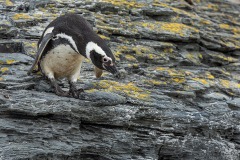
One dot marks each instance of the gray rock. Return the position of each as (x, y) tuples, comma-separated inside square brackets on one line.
[(15, 58), (234, 104), (216, 96), (178, 97), (180, 94), (103, 98)]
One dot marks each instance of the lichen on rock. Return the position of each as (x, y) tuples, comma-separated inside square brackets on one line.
[(177, 96)]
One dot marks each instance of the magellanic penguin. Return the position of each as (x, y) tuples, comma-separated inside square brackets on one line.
[(64, 44)]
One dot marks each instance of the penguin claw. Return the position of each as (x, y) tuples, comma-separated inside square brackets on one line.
[(76, 93), (62, 93)]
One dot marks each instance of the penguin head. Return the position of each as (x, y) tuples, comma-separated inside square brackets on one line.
[(101, 57)]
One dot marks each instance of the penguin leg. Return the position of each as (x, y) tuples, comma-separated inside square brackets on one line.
[(58, 89), (73, 91)]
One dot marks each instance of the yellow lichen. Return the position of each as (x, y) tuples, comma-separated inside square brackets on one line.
[(233, 29), (129, 89), (171, 72), (202, 81), (229, 84), (209, 75), (130, 58), (224, 26), (159, 4), (1, 79), (10, 61), (205, 22), (122, 3), (179, 80), (154, 82), (91, 90), (21, 16), (117, 54), (8, 3), (108, 28), (185, 13), (177, 28), (225, 83), (151, 56), (4, 69), (213, 7), (193, 57), (168, 50), (173, 28), (236, 30), (136, 51), (104, 37), (176, 10), (189, 73), (149, 25)]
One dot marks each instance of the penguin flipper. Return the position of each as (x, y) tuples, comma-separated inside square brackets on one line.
[(98, 72), (41, 48)]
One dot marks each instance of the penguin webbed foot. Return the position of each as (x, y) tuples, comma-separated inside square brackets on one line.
[(58, 89), (74, 92), (62, 93)]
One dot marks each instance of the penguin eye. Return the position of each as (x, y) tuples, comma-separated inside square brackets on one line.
[(105, 59)]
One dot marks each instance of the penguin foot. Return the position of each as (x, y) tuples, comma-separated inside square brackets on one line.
[(62, 93), (58, 89), (74, 92)]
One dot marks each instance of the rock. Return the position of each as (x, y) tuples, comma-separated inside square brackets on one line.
[(7, 29), (176, 95), (215, 95), (122, 74), (14, 58), (180, 94), (11, 47), (234, 104)]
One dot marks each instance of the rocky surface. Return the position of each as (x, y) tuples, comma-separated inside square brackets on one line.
[(179, 98)]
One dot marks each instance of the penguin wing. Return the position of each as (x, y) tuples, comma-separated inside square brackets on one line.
[(41, 48)]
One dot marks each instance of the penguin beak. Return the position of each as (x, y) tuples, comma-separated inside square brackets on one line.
[(112, 69)]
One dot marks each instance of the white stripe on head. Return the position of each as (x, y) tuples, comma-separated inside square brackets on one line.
[(93, 46), (69, 38), (49, 30)]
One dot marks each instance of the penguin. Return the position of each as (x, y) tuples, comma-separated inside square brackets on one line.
[(63, 46)]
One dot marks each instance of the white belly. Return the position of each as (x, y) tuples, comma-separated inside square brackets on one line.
[(62, 62)]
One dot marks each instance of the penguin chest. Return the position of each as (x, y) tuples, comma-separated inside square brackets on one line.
[(62, 61)]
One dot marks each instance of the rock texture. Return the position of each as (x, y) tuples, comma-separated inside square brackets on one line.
[(179, 98)]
